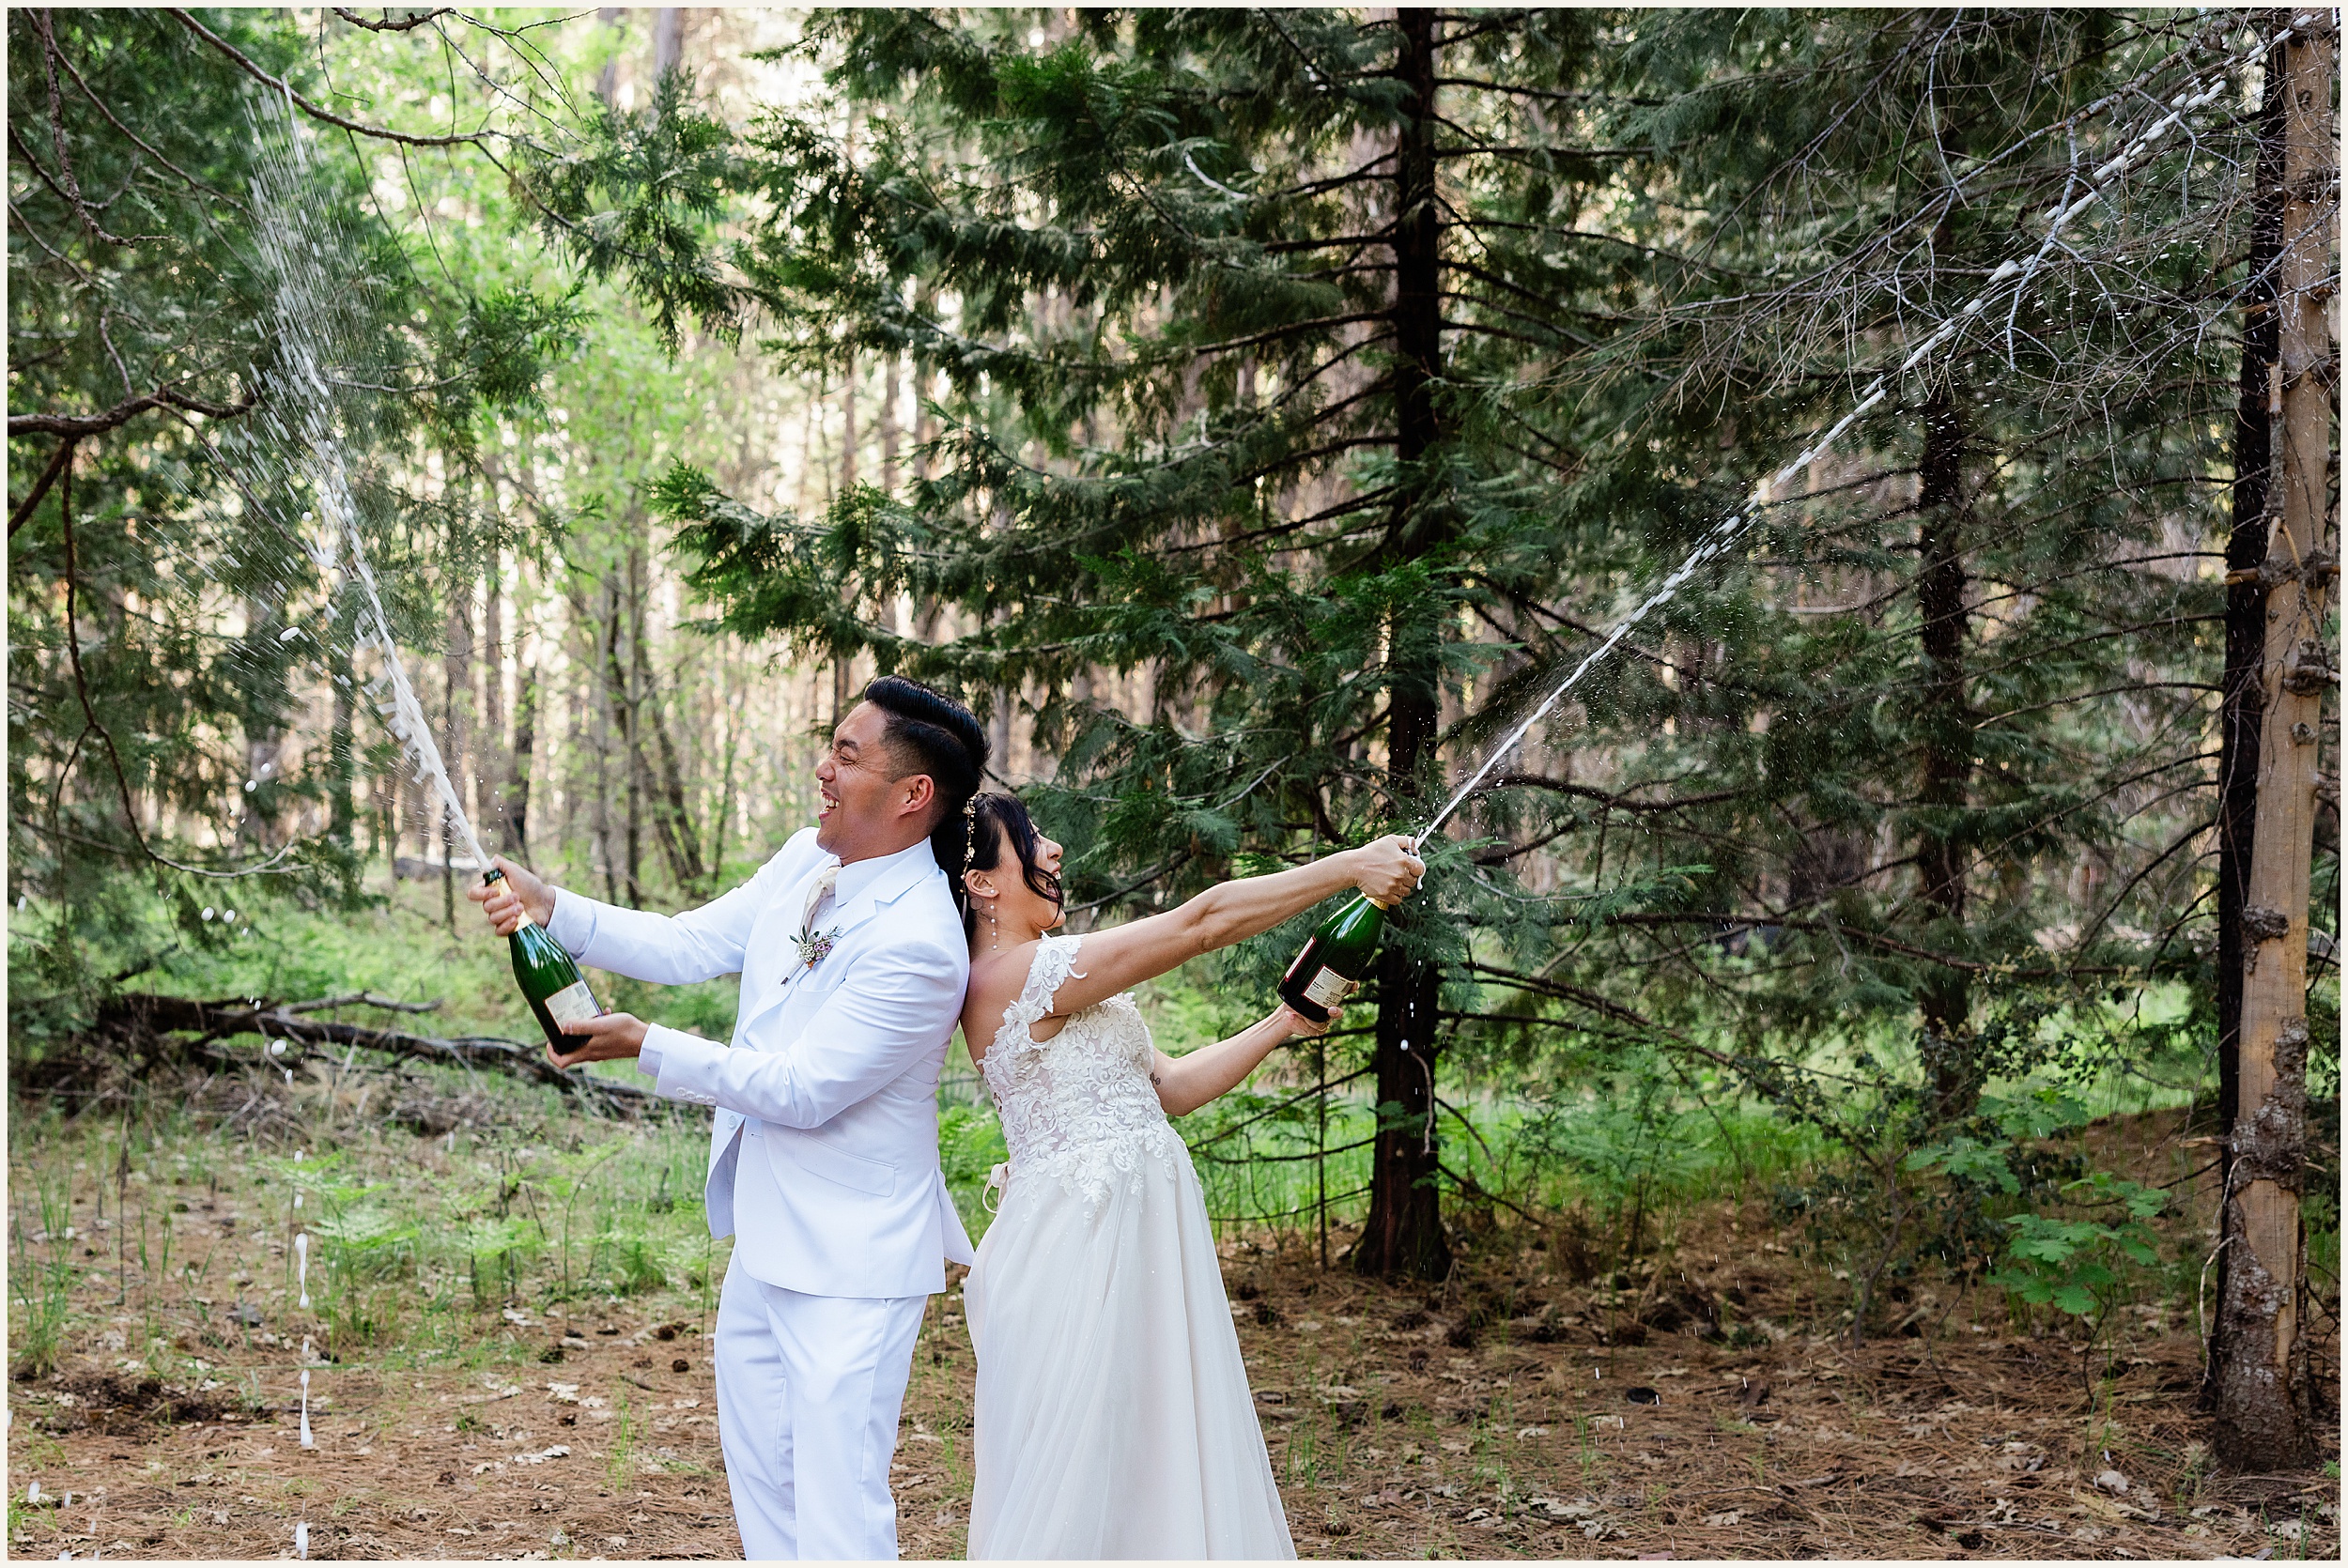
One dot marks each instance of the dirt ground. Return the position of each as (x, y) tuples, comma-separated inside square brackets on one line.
[(1506, 1414)]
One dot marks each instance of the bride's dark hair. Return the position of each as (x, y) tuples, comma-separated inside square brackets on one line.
[(998, 820)]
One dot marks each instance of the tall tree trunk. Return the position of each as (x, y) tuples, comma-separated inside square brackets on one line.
[(924, 422), (607, 717), (668, 39), (515, 823), (342, 766), (2242, 702), (608, 80), (1403, 1233), (722, 821), (679, 842), (396, 825), (2266, 1420), (1946, 999), (890, 385), (623, 714), (264, 738), (847, 432)]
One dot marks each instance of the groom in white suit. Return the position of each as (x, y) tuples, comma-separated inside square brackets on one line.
[(824, 1160)]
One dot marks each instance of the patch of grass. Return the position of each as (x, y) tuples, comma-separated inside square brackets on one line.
[(619, 1465), (44, 1274)]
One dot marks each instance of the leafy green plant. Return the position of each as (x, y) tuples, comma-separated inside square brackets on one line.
[(639, 1263), (1988, 1160), (499, 1242), (2077, 1266), (2002, 1160)]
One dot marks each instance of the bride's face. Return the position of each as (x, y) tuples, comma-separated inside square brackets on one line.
[(1016, 903)]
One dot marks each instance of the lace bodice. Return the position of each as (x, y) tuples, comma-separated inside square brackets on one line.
[(1078, 1107)]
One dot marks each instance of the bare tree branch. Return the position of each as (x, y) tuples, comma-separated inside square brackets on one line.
[(408, 25), (75, 426), (318, 112)]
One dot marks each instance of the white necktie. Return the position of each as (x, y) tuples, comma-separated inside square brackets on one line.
[(810, 944), (818, 893)]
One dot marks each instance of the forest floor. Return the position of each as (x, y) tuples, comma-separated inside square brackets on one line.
[(1675, 1409)]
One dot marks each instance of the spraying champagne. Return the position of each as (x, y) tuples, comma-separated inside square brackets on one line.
[(549, 979)]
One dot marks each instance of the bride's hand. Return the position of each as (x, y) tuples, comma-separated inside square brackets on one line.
[(1387, 869), (1296, 1024)]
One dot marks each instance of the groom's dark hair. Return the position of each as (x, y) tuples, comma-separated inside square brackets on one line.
[(930, 733)]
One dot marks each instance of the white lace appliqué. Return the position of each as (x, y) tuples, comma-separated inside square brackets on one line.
[(1078, 1107)]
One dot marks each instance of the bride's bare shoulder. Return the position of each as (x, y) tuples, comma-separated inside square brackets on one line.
[(996, 978)]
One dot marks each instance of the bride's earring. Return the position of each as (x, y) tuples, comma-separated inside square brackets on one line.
[(995, 928)]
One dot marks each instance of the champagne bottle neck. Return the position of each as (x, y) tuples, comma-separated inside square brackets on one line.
[(1376, 903), (490, 878)]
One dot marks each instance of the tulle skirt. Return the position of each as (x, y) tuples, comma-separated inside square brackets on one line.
[(1114, 1418)]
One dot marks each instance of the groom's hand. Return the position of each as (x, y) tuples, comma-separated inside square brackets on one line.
[(505, 902), (612, 1037)]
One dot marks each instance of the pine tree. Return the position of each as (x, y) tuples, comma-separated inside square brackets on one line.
[(1246, 306)]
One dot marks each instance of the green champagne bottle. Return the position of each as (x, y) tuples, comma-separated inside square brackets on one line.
[(549, 979), (1330, 967)]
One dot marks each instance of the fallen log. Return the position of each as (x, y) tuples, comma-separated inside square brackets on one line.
[(142, 1013)]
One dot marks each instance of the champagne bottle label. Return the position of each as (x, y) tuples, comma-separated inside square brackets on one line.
[(571, 1003), (1329, 988)]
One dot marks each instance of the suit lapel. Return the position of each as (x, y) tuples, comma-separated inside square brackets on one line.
[(886, 888)]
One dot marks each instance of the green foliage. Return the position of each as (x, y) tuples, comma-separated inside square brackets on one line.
[(209, 747), (969, 1146), (1264, 546), (2023, 1119), (635, 198), (2075, 1264), (142, 762), (501, 351)]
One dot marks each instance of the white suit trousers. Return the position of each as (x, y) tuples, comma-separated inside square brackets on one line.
[(809, 1389)]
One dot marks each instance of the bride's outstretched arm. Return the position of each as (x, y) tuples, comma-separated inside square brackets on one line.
[(1186, 1082), (1116, 960)]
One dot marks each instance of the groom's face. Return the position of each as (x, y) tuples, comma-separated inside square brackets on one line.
[(860, 810)]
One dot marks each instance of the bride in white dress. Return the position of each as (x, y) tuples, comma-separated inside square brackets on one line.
[(1114, 1417)]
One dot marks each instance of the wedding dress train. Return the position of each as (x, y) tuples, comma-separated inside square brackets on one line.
[(1114, 1418)]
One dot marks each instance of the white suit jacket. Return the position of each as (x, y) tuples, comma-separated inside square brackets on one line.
[(824, 1161)]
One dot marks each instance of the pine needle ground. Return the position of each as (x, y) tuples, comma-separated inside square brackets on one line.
[(474, 1406)]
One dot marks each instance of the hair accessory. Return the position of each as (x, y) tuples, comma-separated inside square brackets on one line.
[(969, 833)]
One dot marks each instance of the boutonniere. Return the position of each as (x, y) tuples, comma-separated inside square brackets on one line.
[(814, 946)]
